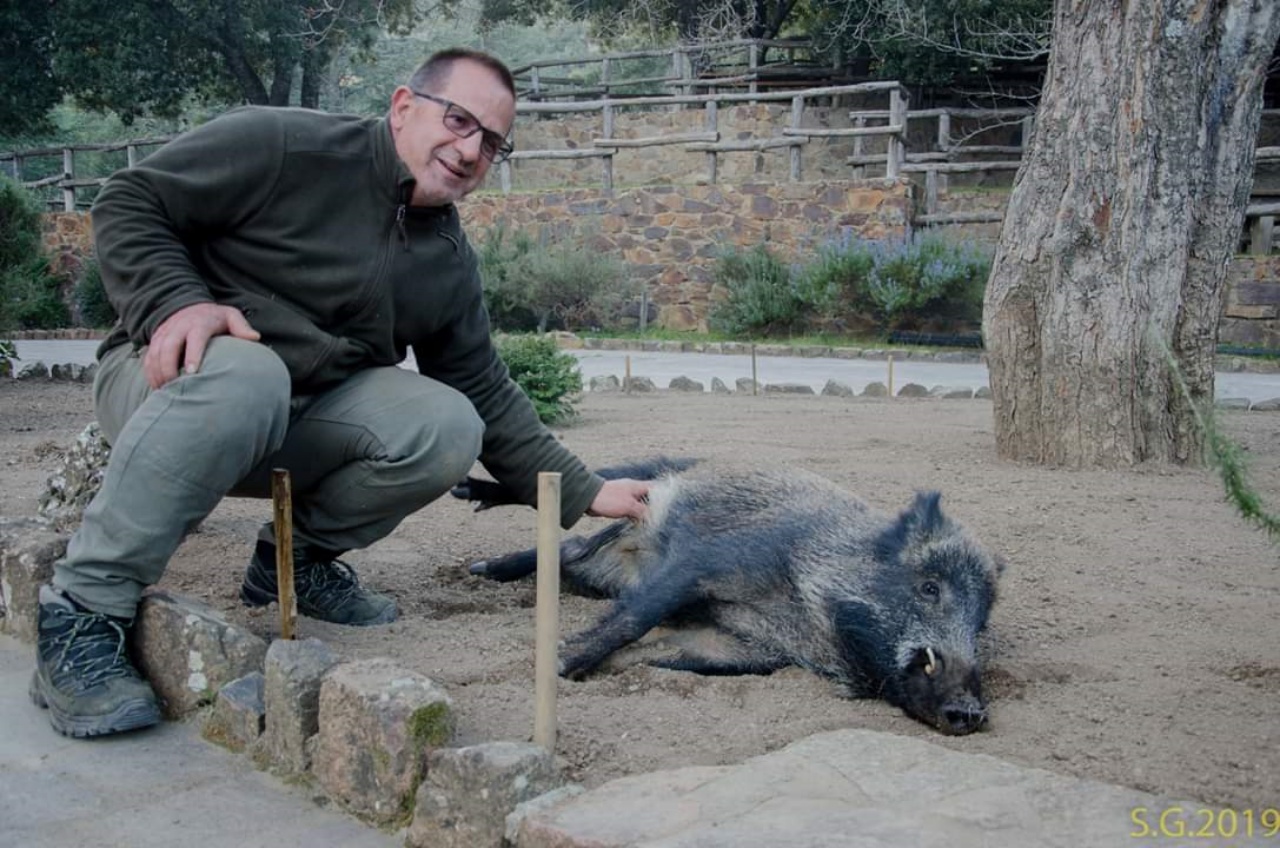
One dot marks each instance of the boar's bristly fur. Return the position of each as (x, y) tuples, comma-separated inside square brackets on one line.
[(766, 569)]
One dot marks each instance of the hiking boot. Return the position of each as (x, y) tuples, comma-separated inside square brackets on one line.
[(83, 675), (326, 587)]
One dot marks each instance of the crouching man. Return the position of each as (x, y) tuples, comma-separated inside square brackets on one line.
[(270, 269)]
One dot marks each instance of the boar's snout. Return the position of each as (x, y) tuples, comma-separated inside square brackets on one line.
[(945, 692), (962, 715)]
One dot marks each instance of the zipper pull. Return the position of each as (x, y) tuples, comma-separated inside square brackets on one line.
[(404, 235)]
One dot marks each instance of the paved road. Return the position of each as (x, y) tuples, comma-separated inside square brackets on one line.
[(815, 371)]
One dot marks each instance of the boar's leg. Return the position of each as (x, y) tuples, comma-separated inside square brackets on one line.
[(713, 651), (638, 610), (573, 551)]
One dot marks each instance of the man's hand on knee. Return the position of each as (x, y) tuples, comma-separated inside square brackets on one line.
[(181, 339)]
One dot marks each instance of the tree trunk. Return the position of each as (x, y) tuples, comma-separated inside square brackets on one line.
[(1122, 221)]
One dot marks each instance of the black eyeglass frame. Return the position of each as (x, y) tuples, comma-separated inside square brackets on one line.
[(502, 146)]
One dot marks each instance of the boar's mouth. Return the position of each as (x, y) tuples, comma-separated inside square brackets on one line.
[(944, 695)]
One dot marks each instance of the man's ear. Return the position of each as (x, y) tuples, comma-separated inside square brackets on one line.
[(401, 102)]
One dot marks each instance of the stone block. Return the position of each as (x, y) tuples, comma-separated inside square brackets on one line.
[(913, 390), (292, 674), (77, 478), (607, 383), (28, 550), (640, 385), (834, 388), (746, 385), (788, 389), (188, 650), (239, 713), (718, 387), (538, 805), (685, 384), (876, 389), (378, 721), (469, 792)]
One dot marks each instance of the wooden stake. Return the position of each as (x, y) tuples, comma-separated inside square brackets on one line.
[(626, 378), (548, 611), (282, 502), (890, 375), (754, 381)]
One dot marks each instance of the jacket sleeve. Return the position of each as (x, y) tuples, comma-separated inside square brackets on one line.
[(517, 446), (205, 181)]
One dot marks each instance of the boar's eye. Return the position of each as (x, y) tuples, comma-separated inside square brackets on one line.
[(930, 590)]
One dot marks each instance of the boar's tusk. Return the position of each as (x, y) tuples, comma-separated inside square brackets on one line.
[(932, 665)]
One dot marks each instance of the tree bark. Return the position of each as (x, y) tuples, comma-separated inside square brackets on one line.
[(1120, 226)]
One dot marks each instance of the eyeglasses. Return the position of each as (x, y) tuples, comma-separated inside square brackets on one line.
[(493, 145)]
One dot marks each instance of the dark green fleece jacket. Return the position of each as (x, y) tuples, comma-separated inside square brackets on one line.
[(300, 219)]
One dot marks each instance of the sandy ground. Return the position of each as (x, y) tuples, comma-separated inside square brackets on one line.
[(1132, 642)]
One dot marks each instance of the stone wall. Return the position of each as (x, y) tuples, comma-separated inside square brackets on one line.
[(670, 237)]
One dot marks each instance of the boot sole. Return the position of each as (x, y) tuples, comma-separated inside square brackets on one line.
[(131, 715), (255, 596)]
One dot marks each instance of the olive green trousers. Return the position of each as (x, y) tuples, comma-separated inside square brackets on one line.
[(362, 455)]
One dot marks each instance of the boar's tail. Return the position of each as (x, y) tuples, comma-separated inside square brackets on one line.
[(485, 494)]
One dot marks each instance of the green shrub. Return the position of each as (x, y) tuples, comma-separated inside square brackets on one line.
[(91, 298), (548, 375), (29, 292), (537, 286), (760, 296), (8, 356), (926, 278), (506, 295)]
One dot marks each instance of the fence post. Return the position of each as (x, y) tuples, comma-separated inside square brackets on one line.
[(68, 173), (753, 65), (504, 175), (1261, 235), (898, 118), (536, 80), (712, 122), (608, 159), (944, 144), (17, 168), (131, 155), (797, 118), (859, 170), (604, 75)]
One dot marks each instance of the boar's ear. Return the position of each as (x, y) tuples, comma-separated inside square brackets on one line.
[(913, 526)]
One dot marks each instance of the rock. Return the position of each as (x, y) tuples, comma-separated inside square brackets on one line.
[(640, 384), (834, 388), (747, 386), (686, 384), (1231, 403), (77, 479), (607, 383), (28, 551), (1268, 405), (788, 389), (469, 792), (983, 392), (291, 695), (378, 721), (913, 390), (875, 390), (719, 388), (188, 650), (239, 713), (33, 371)]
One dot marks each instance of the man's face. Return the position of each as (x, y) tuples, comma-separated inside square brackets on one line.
[(446, 167)]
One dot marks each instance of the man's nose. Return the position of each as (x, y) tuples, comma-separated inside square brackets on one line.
[(471, 146)]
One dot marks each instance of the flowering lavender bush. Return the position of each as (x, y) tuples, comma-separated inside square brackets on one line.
[(898, 282)]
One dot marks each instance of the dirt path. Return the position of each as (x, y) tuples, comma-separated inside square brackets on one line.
[(1132, 642)]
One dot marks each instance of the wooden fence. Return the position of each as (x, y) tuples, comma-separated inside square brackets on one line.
[(889, 128)]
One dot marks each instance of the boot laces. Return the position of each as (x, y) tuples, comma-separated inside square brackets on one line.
[(91, 650)]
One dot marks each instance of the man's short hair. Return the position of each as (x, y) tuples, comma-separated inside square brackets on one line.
[(431, 74)]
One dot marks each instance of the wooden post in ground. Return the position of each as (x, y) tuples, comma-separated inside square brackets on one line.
[(282, 503), (890, 375), (548, 611)]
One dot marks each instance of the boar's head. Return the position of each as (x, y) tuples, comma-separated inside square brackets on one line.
[(911, 635)]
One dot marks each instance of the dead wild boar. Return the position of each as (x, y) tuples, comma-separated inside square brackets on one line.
[(777, 568)]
